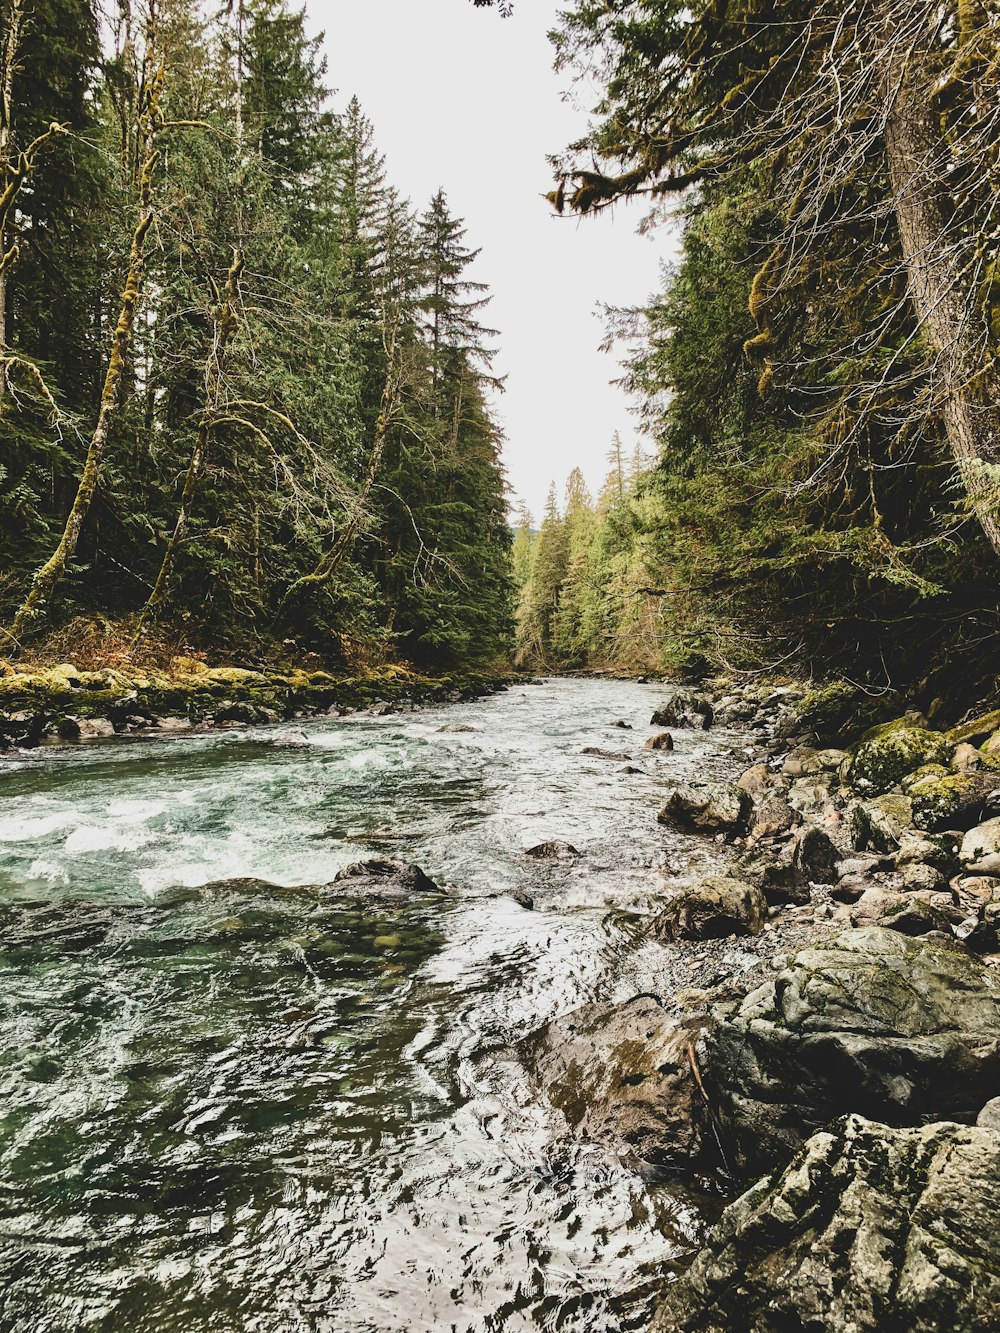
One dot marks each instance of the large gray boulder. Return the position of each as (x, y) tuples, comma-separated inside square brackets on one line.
[(384, 879), (870, 1021), (621, 1076), (720, 807), (683, 708), (869, 1230), (712, 909)]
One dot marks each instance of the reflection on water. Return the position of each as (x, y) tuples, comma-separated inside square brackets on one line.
[(231, 1103)]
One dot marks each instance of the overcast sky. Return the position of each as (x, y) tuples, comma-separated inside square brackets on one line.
[(464, 99)]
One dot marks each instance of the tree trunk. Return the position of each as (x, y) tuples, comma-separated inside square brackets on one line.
[(945, 308), (224, 325), (51, 572)]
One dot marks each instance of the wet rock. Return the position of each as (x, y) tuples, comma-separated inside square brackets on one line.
[(553, 850), (385, 878), (869, 1021), (621, 726), (881, 823), (621, 1075), (294, 740), (870, 1229), (718, 807), (457, 729), (594, 752), (683, 708), (169, 724), (664, 741), (711, 909), (630, 770), (888, 753)]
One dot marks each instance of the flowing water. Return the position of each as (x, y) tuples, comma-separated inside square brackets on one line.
[(230, 1102)]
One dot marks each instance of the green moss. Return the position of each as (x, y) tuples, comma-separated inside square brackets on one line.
[(889, 753)]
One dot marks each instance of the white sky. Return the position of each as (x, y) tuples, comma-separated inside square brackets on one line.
[(464, 99)]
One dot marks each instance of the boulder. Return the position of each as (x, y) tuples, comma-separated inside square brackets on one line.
[(457, 729), (553, 850), (663, 741), (718, 807), (976, 729), (683, 708), (879, 825), (593, 752), (815, 856), (812, 795), (869, 1021), (888, 753), (802, 762), (711, 909), (989, 1116), (758, 779), (870, 1229), (384, 879), (967, 759), (621, 1076), (774, 874), (955, 801), (980, 849), (905, 912), (773, 816)]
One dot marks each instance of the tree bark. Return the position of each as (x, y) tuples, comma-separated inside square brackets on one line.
[(48, 576), (944, 307)]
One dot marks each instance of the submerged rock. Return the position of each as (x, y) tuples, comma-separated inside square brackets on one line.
[(664, 741), (869, 1230), (553, 850), (870, 1021), (718, 807), (594, 752), (713, 908), (385, 878), (621, 1075), (457, 729)]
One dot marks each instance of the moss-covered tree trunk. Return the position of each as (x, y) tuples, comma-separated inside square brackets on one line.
[(48, 576), (939, 289)]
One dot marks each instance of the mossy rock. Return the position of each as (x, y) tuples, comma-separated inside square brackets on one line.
[(925, 773), (887, 754), (836, 712), (976, 729), (956, 801)]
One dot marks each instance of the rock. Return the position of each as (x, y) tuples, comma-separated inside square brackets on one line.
[(802, 762), (881, 823), (811, 796), (290, 739), (621, 726), (758, 780), (989, 1116), (991, 747), (683, 708), (593, 752), (922, 774), (775, 875), (976, 730), (711, 909), (173, 724), (888, 753), (630, 770), (957, 801), (772, 817), (932, 849), (664, 741), (869, 1021), (918, 876), (967, 759), (719, 807), (980, 849), (621, 1075), (904, 912), (393, 879), (554, 850), (815, 856), (78, 729), (870, 1229), (457, 729), (850, 888)]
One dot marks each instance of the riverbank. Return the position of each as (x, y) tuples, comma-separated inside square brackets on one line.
[(61, 704), (827, 1025)]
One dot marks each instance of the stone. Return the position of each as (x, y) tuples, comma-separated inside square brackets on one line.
[(663, 741), (869, 1021), (811, 796), (870, 1229), (713, 908), (773, 816), (921, 775), (980, 849), (774, 874), (967, 759), (621, 1075), (888, 753), (758, 779), (919, 876), (718, 807), (904, 912), (621, 726), (289, 739), (457, 729), (593, 752), (957, 801), (683, 708), (815, 856), (802, 762), (977, 729), (989, 1116), (880, 824), (384, 878), (553, 850)]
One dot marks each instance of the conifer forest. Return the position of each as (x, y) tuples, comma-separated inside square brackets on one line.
[(499, 673)]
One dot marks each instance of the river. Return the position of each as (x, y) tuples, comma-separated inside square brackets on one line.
[(230, 1102)]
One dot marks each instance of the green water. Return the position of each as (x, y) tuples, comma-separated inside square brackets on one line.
[(230, 1102)]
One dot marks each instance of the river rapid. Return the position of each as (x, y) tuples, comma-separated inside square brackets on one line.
[(231, 1102)]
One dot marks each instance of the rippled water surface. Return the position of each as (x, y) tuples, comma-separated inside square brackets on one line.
[(231, 1102)]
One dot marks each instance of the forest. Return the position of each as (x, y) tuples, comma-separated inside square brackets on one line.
[(245, 387), (818, 370)]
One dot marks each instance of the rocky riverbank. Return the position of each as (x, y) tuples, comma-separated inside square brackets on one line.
[(850, 1077), (60, 704)]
